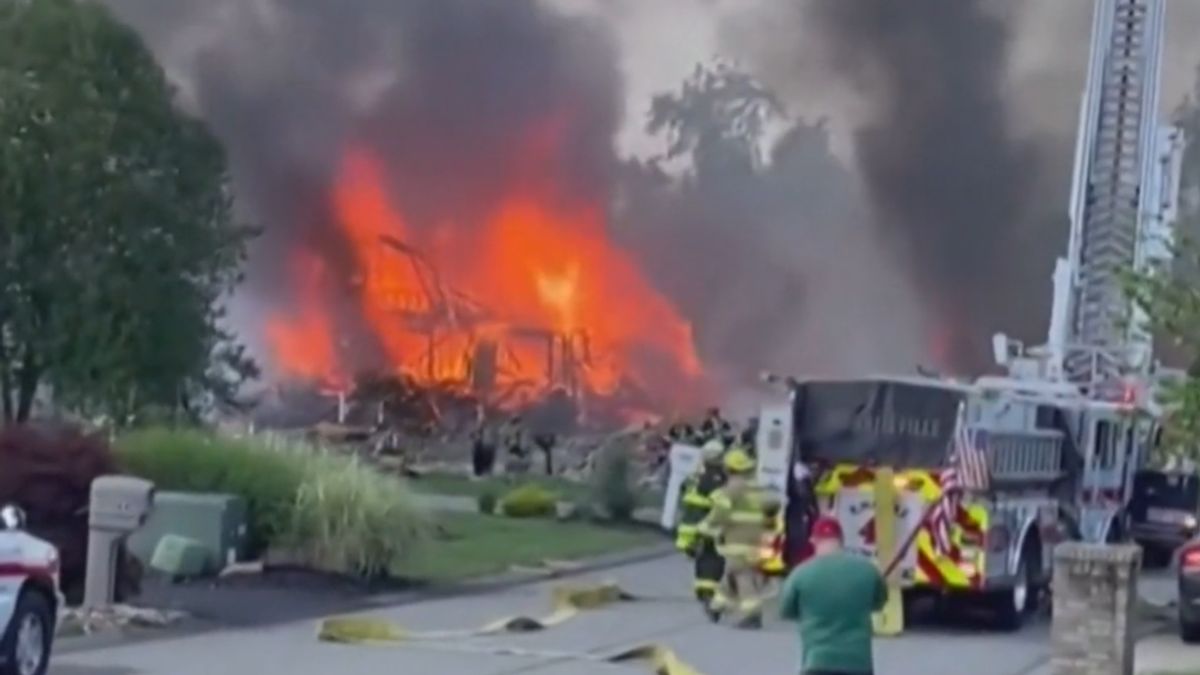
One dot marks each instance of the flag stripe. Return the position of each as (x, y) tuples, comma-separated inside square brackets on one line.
[(968, 470)]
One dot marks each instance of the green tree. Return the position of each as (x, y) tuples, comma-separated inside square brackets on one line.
[(717, 117), (1171, 297), (117, 237)]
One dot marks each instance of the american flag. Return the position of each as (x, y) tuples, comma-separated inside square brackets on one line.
[(968, 470)]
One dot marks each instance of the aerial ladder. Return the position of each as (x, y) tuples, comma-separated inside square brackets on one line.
[(1123, 206)]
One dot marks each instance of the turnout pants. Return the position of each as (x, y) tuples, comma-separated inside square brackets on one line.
[(709, 569), (739, 591)]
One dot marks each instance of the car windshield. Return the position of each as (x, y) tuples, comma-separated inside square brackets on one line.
[(1167, 490)]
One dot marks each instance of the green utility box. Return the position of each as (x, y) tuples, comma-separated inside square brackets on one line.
[(216, 522)]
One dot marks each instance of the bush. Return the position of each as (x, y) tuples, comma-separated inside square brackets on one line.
[(48, 469), (336, 512), (613, 483), (195, 461), (487, 502), (351, 518), (530, 501)]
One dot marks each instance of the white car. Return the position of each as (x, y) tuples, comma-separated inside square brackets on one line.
[(29, 597)]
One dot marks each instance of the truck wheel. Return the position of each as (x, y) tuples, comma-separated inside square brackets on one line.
[(26, 645), (1012, 606), (1155, 557), (1189, 631)]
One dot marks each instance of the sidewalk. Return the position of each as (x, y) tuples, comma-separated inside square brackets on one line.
[(1166, 653)]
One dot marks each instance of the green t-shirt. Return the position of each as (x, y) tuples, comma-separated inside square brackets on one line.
[(833, 597)]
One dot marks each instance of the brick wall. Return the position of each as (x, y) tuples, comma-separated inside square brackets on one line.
[(1095, 595)]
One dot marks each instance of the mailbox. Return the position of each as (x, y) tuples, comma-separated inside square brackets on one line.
[(119, 506), (120, 503)]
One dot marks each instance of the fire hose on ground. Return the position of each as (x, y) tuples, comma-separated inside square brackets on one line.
[(567, 602), (570, 601)]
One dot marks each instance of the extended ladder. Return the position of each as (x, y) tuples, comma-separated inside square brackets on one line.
[(1123, 193)]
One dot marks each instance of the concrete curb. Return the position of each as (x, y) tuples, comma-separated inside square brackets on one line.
[(491, 584)]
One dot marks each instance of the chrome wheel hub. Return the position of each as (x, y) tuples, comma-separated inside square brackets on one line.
[(31, 645), (1020, 594)]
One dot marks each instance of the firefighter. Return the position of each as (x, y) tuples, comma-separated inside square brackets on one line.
[(802, 511), (738, 523), (697, 502)]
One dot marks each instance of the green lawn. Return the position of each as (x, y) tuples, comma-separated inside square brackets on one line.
[(479, 545), (459, 485)]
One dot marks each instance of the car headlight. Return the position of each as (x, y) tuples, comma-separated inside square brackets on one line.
[(1189, 522)]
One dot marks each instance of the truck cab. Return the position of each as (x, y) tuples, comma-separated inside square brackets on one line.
[(29, 597)]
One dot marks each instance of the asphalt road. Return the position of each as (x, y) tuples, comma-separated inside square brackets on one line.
[(667, 616)]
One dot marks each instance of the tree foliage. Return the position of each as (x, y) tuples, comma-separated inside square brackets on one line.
[(117, 236), (1171, 303), (1171, 297), (718, 109)]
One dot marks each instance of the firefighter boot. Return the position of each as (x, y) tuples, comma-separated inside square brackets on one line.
[(751, 622), (751, 611), (708, 569), (715, 607)]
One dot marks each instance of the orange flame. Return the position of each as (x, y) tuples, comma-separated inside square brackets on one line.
[(305, 342), (538, 278)]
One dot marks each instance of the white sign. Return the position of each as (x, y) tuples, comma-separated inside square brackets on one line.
[(774, 446), (854, 509), (684, 461)]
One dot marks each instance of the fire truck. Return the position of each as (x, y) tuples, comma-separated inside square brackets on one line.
[(1064, 431), (1060, 466)]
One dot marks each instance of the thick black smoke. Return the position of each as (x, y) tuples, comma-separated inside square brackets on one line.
[(444, 90), (764, 246), (949, 183), (764, 240)]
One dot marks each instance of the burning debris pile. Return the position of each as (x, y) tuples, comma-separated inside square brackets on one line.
[(400, 421), (443, 202), (534, 300), (459, 234)]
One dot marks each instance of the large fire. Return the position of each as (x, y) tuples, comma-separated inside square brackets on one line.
[(535, 296)]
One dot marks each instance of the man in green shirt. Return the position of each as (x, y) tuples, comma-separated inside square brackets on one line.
[(832, 596)]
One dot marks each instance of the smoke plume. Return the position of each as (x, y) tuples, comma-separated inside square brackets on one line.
[(768, 260), (443, 90), (942, 233), (766, 241), (949, 183)]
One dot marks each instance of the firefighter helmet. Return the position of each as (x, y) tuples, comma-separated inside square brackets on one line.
[(738, 461), (712, 450)]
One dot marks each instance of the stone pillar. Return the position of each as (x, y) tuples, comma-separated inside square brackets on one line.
[(1095, 604)]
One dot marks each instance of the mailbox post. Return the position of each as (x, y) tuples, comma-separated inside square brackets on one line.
[(119, 506)]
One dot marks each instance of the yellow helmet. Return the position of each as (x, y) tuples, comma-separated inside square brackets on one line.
[(738, 461)]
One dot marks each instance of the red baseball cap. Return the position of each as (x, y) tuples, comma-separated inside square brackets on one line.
[(826, 528)]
